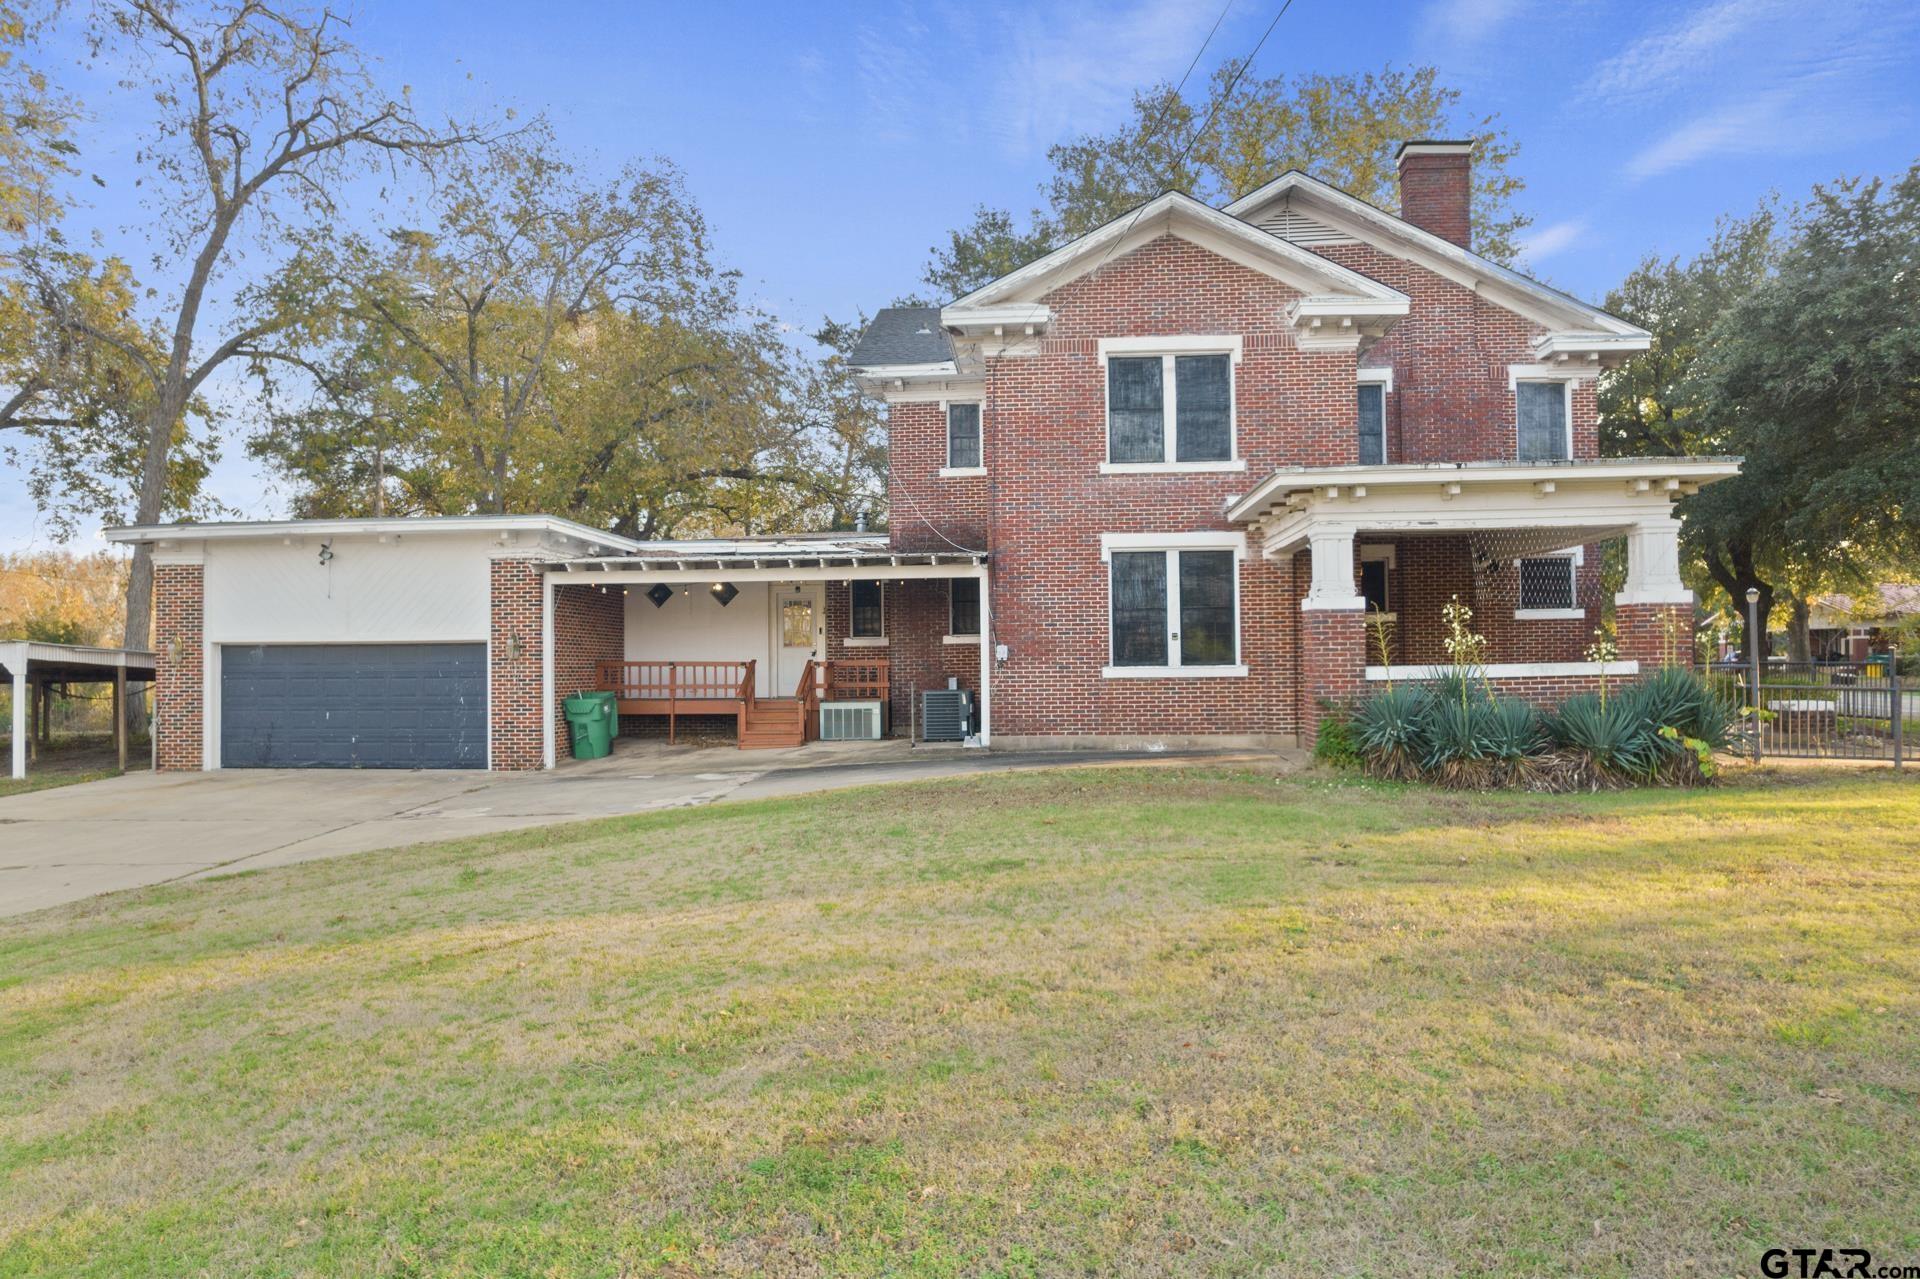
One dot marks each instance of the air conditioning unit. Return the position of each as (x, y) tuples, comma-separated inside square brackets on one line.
[(946, 714), (850, 721)]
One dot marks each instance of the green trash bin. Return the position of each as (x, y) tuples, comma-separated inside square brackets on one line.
[(613, 712), (587, 724)]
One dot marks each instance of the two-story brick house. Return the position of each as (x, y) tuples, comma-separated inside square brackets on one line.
[(1180, 480)]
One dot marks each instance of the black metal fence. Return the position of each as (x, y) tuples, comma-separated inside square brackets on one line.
[(1825, 710)]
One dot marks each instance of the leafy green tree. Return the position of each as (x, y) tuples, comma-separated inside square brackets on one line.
[(1236, 134)]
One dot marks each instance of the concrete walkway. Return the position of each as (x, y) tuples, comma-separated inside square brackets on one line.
[(72, 842)]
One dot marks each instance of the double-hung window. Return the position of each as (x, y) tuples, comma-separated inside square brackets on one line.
[(963, 438), (1170, 410), (1174, 611), (868, 611), (1547, 587), (1373, 423), (1542, 421), (963, 606)]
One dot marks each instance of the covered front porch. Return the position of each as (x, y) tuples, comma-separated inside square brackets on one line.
[(766, 642), (1388, 548)]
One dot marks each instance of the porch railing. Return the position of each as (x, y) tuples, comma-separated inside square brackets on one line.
[(856, 680), (668, 688)]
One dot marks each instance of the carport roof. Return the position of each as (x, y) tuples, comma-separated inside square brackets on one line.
[(773, 554), (72, 663)]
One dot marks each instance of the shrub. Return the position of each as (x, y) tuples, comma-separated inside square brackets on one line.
[(1334, 743), (1388, 728), (1612, 740)]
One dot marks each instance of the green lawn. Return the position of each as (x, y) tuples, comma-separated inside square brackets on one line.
[(1126, 1021)]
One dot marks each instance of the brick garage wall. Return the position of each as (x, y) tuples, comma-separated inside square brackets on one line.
[(513, 683), (179, 693), (1451, 401), (589, 627)]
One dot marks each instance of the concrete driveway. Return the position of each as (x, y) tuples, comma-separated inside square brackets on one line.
[(72, 842)]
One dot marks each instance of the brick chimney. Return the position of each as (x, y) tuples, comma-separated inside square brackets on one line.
[(1436, 188)]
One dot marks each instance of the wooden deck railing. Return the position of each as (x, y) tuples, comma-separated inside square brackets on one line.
[(856, 680), (718, 688)]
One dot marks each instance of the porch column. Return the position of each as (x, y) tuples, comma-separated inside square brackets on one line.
[(1653, 614), (20, 719), (1333, 633), (986, 659)]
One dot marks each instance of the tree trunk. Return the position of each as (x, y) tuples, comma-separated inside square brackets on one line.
[(1800, 632), (167, 410)]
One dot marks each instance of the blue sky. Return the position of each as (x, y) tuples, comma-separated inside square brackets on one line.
[(831, 145)]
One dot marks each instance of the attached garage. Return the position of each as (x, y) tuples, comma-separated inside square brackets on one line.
[(353, 706)]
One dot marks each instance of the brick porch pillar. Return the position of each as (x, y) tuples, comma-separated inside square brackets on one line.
[(179, 693), (515, 708), (1333, 631), (1653, 613)]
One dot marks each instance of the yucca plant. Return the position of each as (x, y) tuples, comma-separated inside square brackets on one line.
[(1613, 739), (1389, 728), (1458, 741)]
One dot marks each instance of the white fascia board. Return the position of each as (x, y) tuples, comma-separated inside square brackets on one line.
[(413, 526), (1566, 345), (1190, 540), (1694, 470), (1288, 262), (1510, 670), (893, 372), (1357, 218), (1021, 316)]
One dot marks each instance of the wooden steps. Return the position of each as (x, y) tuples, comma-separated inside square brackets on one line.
[(768, 723)]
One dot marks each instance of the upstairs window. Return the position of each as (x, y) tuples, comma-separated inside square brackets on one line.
[(1373, 423), (869, 612), (1169, 408), (1543, 421), (963, 437), (1546, 583), (963, 606)]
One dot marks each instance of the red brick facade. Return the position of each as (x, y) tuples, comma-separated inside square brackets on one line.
[(589, 627), (514, 664), (179, 693)]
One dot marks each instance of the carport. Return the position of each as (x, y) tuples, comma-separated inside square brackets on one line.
[(33, 669)]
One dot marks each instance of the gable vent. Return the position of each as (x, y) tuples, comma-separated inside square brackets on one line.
[(1290, 224)]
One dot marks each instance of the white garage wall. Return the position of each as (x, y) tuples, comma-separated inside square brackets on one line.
[(419, 589), (693, 627)]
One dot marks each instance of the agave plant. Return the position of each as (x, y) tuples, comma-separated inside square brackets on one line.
[(1613, 735), (1389, 728)]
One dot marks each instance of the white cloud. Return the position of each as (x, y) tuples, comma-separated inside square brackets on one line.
[(1551, 239), (1466, 23), (1652, 64)]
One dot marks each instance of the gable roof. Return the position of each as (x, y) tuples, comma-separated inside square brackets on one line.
[(903, 335), (1175, 212), (1334, 208)]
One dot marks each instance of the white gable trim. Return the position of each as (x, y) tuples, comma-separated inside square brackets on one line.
[(1504, 287)]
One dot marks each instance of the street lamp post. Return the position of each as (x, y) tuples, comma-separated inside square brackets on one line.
[(1753, 660)]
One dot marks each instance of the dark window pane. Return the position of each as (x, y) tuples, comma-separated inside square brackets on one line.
[(1373, 585), (1206, 608), (1203, 406), (1135, 431), (1139, 608), (963, 435), (867, 623), (963, 615), (1543, 421), (1373, 424), (1546, 583)]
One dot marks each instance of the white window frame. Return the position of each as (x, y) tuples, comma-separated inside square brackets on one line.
[(1167, 348), (960, 637), (1382, 378), (1172, 544), (867, 641), (950, 471), (1578, 558), (1518, 373), (1389, 553)]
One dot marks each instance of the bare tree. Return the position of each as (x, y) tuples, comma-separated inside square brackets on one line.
[(263, 116)]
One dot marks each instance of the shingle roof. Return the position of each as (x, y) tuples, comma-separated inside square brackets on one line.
[(903, 335)]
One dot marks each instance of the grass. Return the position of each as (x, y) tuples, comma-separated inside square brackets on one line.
[(66, 761), (1092, 1022)]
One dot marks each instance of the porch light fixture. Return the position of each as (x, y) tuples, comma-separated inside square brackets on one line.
[(659, 593), (724, 592), (326, 553)]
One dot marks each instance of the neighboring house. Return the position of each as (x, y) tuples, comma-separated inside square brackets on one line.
[(1848, 628), (1143, 490)]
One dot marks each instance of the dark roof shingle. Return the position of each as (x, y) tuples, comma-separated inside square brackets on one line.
[(902, 335)]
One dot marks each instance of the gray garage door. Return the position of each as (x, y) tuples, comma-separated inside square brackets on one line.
[(353, 706)]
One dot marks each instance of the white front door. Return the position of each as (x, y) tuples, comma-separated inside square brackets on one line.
[(799, 633)]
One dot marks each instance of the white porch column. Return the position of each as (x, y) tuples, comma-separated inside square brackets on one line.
[(1653, 563), (1332, 586), (546, 674), (20, 717), (986, 659)]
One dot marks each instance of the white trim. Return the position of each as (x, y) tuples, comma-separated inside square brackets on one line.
[(864, 641), (1169, 406), (1509, 670), (1174, 672), (1198, 540), (959, 639), (962, 472), (505, 525), (979, 425), (1383, 376), (1576, 558), (1547, 614), (1549, 373), (1387, 551), (1176, 344), (1171, 468)]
